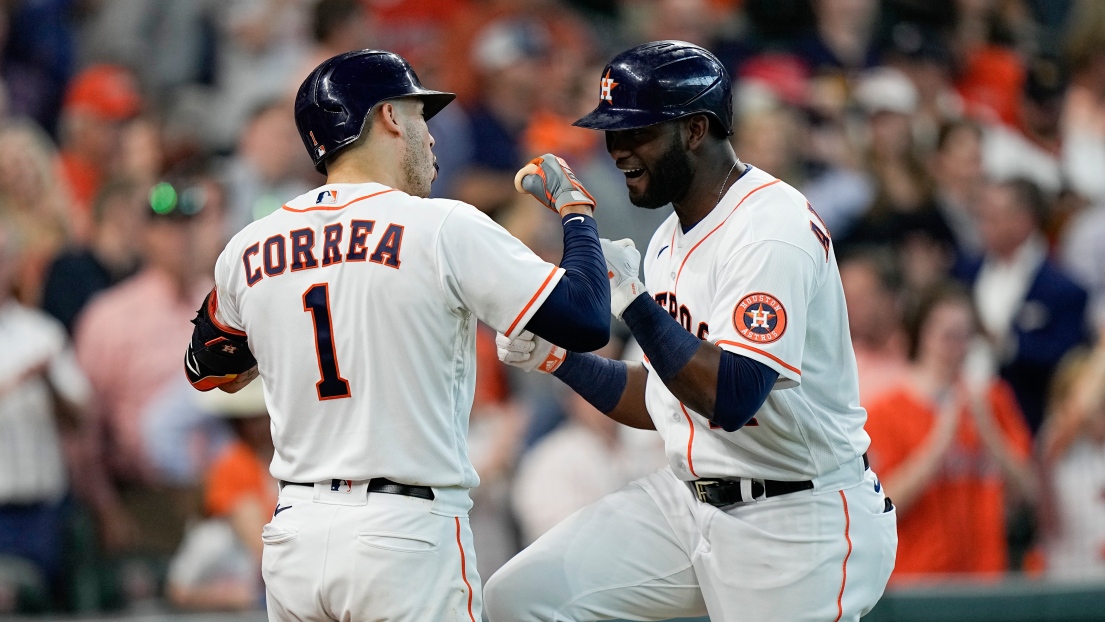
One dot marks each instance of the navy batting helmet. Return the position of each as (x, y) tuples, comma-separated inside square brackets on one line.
[(662, 81), (334, 101)]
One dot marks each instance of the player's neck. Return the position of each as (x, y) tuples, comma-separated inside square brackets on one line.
[(716, 174), (364, 170)]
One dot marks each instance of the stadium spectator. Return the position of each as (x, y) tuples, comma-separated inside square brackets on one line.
[(39, 53), (509, 55), (587, 457), (262, 174), (948, 448), (843, 40), (218, 565), (81, 271), (991, 73), (922, 53), (875, 321), (127, 341), (1083, 117), (262, 45), (337, 26), (1030, 310), (903, 200), (1072, 447), (1031, 148), (1082, 253), (98, 103), (42, 393), (35, 198), (956, 167)]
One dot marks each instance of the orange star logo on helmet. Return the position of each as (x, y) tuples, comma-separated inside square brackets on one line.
[(607, 86)]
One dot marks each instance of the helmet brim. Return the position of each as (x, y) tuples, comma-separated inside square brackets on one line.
[(609, 118), (434, 101)]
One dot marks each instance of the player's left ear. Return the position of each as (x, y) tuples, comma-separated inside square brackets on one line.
[(390, 118), (696, 129)]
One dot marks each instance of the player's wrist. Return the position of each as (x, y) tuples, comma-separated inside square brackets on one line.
[(625, 294), (580, 209)]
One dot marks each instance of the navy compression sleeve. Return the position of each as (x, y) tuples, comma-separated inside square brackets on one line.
[(598, 380), (742, 387), (666, 343), (576, 314)]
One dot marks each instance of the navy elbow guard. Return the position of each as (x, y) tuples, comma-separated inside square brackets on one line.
[(216, 354)]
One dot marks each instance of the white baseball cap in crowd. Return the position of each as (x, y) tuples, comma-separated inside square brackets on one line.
[(886, 90)]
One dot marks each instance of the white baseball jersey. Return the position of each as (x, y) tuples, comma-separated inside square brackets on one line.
[(757, 277), (360, 304)]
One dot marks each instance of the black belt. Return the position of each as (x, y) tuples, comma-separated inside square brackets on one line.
[(722, 492), (386, 486)]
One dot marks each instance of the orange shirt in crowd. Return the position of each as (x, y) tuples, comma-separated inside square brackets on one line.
[(957, 525), (235, 476)]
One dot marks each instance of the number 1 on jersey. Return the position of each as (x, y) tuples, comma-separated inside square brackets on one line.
[(316, 301)]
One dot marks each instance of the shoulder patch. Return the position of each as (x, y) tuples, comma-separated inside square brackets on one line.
[(760, 318)]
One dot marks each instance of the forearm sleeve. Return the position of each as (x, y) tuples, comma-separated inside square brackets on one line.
[(576, 314), (598, 380)]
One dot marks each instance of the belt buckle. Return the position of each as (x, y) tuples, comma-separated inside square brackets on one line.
[(701, 487)]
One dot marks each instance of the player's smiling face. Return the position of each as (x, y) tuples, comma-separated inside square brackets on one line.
[(654, 161)]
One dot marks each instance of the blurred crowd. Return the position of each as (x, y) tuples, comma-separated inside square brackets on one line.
[(954, 148)]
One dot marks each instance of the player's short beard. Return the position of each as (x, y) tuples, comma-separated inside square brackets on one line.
[(669, 177), (418, 168)]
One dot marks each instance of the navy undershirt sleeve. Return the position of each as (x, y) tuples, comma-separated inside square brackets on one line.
[(666, 343), (576, 314), (742, 387), (598, 380)]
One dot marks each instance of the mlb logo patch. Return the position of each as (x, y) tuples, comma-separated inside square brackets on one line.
[(326, 196), (341, 485)]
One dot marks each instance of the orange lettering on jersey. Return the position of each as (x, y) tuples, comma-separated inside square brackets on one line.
[(760, 318)]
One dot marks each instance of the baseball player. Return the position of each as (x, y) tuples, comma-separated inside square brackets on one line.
[(357, 304), (767, 509)]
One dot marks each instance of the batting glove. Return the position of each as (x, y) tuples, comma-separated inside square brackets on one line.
[(623, 264), (550, 180), (529, 352)]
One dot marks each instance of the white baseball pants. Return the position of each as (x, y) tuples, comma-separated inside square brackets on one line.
[(651, 551), (358, 557)]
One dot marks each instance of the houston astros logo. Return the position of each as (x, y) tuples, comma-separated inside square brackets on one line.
[(607, 85), (760, 318)]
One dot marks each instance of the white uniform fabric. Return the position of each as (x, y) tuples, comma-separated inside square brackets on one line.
[(651, 551), (757, 277), (756, 255), (344, 555), (403, 328), (360, 304)]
